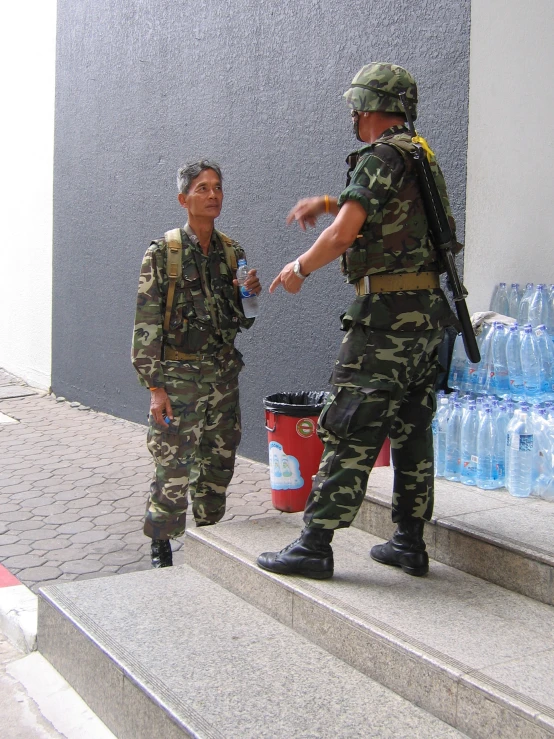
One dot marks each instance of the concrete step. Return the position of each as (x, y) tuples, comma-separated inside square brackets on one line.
[(488, 533), (477, 656), (169, 653)]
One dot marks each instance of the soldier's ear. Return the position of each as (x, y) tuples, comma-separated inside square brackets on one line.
[(182, 199)]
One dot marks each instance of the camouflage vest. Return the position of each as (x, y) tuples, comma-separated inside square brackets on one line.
[(396, 239), (205, 314)]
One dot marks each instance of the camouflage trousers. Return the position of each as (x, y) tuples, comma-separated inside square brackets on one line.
[(194, 455), (398, 401)]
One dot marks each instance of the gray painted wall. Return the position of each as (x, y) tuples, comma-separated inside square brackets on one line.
[(143, 86)]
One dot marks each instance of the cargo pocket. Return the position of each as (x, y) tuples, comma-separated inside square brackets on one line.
[(163, 441), (339, 416)]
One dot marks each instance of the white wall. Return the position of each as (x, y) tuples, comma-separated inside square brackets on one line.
[(510, 182), (27, 70)]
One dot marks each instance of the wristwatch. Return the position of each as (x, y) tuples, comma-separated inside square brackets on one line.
[(297, 272)]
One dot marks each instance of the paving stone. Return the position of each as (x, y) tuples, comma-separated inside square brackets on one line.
[(80, 567), (49, 545), (58, 487), (110, 518), (102, 509), (27, 495), (39, 575), (8, 538), (13, 550), (75, 493), (75, 528), (15, 516), (124, 527), (82, 502), (48, 510), (61, 518), (93, 575), (37, 534), (21, 561), (106, 546), (9, 508), (122, 557), (87, 537), (69, 554), (33, 523), (116, 494), (136, 567)]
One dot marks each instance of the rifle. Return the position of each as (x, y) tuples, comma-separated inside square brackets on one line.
[(442, 235)]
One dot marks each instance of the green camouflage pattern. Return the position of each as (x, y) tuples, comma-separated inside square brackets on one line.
[(396, 398), (385, 373), (194, 455), (395, 236), (376, 87), (205, 318)]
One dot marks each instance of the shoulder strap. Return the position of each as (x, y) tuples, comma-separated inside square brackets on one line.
[(174, 250), (230, 256)]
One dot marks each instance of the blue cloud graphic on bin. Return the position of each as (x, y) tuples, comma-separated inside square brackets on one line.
[(284, 470)]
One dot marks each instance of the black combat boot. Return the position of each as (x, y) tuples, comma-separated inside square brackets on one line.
[(161, 553), (310, 555), (406, 549)]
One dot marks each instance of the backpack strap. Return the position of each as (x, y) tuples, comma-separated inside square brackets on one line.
[(230, 256), (174, 260)]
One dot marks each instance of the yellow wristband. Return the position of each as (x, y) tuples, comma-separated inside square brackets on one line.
[(327, 204), (153, 388)]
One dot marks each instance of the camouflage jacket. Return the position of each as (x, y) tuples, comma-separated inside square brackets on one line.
[(394, 237), (205, 318)]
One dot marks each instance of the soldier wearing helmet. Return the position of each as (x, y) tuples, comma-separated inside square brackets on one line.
[(384, 376)]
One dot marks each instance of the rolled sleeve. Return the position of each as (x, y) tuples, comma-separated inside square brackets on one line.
[(372, 185)]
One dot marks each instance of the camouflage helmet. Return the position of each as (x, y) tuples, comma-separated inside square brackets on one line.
[(376, 87)]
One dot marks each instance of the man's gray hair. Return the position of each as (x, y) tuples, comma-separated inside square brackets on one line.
[(190, 172)]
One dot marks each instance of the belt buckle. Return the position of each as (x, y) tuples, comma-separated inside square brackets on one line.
[(367, 285)]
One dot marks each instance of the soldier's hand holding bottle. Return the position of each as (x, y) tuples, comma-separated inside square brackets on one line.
[(160, 406)]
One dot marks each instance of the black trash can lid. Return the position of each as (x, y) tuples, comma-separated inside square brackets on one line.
[(298, 404)]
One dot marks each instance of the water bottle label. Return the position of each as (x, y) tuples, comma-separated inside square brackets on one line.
[(245, 293), (474, 459), (522, 442)]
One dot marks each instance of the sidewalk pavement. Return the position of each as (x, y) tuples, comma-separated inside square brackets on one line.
[(73, 489)]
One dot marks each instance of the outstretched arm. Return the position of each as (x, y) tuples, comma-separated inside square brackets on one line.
[(330, 244)]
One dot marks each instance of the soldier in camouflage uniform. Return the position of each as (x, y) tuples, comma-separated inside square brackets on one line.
[(385, 373), (190, 364)]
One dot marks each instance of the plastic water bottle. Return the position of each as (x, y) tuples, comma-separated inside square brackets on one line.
[(440, 423), (484, 366), (513, 359), (501, 420), (538, 306), (550, 321), (523, 312), (249, 299), (542, 463), (530, 363), (501, 301), (520, 454), (468, 441), (546, 349), (453, 431), (486, 433), (457, 365), (498, 382), (514, 298)]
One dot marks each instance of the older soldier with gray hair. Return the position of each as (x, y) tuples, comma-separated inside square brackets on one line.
[(188, 315), (385, 373)]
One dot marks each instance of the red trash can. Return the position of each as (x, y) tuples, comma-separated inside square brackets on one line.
[(294, 446)]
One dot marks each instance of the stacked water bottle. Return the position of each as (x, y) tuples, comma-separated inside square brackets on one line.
[(497, 428)]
